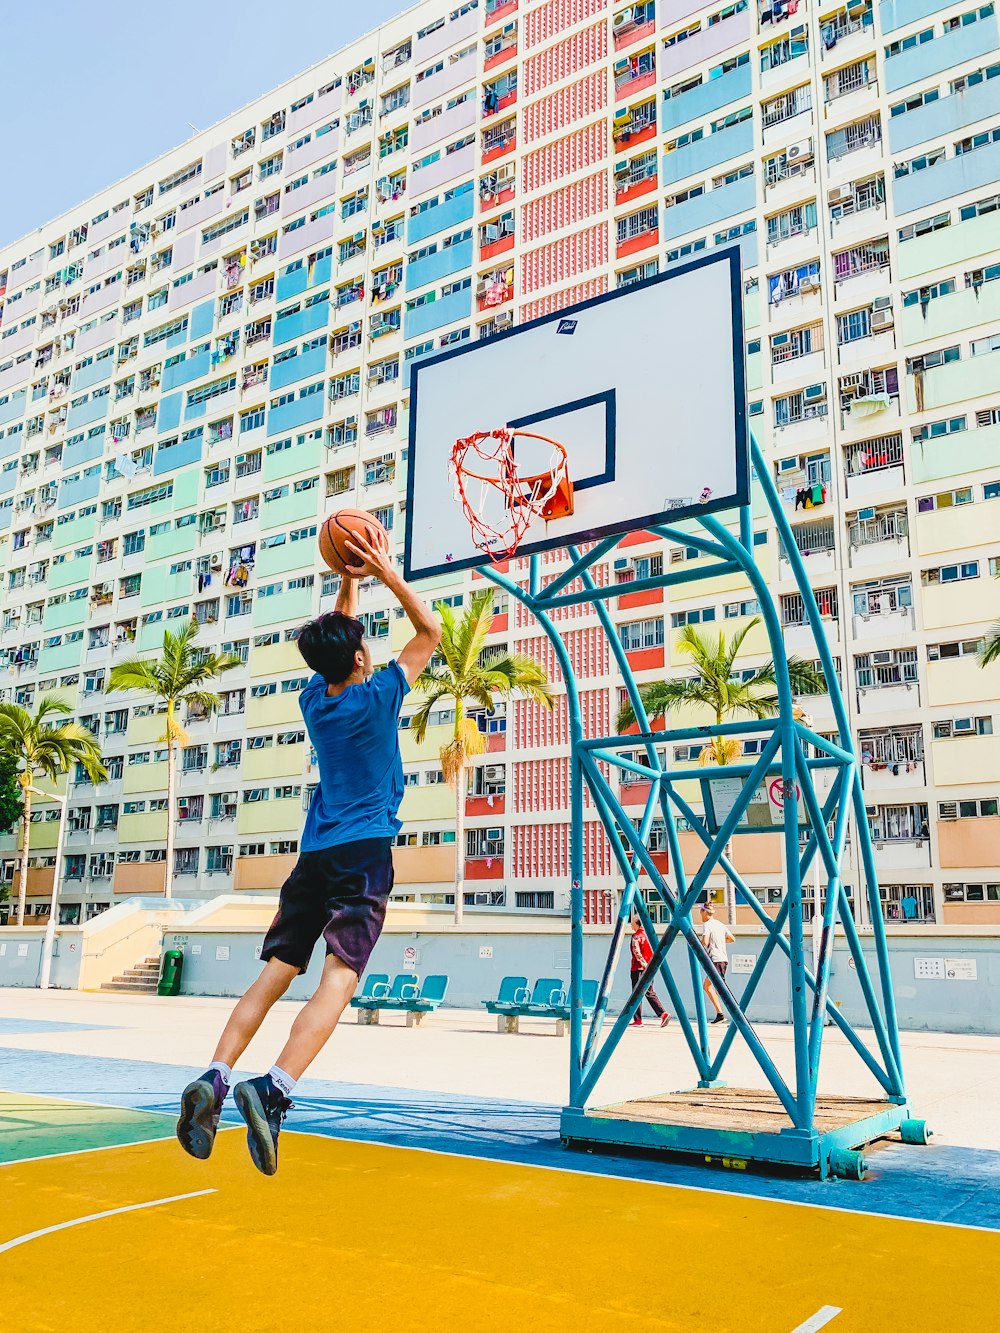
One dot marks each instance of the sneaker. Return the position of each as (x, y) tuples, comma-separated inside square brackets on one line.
[(263, 1107), (201, 1106), (719, 1018), (636, 1022), (664, 1019)]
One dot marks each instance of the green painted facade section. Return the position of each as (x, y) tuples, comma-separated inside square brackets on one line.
[(160, 586), (948, 247), (63, 658), (755, 372), (175, 541), (969, 451), (283, 607), (187, 488), (43, 1128), (963, 309), (296, 507), (751, 309), (150, 637), (305, 457), (70, 574), (275, 560), (953, 385), (75, 533), (66, 613)]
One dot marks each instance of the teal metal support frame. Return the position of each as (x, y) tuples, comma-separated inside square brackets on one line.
[(815, 825)]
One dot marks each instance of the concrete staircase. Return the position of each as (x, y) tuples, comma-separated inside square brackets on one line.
[(138, 980)]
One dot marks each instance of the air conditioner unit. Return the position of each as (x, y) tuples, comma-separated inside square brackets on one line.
[(504, 319), (624, 20), (780, 340), (799, 152), (494, 773), (623, 564), (494, 834), (815, 393), (227, 798), (215, 562), (962, 726), (622, 117), (378, 225), (882, 303), (841, 194), (182, 804), (882, 659), (864, 514), (881, 319), (481, 287)]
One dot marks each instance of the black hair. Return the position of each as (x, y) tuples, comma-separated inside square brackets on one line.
[(329, 643)]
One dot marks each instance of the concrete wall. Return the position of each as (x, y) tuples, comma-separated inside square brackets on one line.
[(227, 961)]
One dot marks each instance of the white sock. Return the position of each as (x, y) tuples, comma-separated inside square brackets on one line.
[(224, 1070), (282, 1081)]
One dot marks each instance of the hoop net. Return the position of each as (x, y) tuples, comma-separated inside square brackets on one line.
[(499, 504)]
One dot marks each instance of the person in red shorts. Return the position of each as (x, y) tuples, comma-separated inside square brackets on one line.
[(642, 953)]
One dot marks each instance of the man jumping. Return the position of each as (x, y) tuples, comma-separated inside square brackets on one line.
[(340, 884)]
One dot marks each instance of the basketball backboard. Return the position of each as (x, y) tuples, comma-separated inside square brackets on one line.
[(644, 386)]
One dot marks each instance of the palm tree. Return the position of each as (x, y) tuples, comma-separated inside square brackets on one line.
[(43, 748), (464, 670), (991, 649), (180, 675), (713, 687)]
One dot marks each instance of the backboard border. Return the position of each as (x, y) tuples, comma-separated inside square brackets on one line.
[(730, 255)]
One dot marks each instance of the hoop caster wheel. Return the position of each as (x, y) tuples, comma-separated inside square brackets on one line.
[(915, 1131), (847, 1165)]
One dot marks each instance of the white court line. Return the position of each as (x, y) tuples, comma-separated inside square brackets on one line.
[(95, 1217), (819, 1320)]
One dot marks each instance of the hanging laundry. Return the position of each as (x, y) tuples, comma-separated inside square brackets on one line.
[(818, 496)]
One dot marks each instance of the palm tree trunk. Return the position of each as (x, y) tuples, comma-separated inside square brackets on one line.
[(168, 878), (459, 845), (22, 887)]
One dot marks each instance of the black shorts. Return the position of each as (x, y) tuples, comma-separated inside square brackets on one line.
[(339, 893), (722, 968)]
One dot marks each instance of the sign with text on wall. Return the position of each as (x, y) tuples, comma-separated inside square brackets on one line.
[(766, 809)]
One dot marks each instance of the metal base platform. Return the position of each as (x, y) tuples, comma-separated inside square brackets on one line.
[(743, 1127)]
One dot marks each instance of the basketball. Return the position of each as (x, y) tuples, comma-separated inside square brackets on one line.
[(339, 528)]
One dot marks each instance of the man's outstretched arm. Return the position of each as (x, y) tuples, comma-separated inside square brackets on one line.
[(376, 561)]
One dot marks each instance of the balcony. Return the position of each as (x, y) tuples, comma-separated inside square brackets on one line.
[(874, 536), (947, 51)]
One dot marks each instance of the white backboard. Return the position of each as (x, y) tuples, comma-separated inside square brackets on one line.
[(644, 387)]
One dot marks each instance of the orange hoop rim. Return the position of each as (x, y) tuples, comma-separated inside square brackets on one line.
[(525, 497)]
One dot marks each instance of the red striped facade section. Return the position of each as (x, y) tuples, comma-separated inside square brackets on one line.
[(564, 259), (523, 618), (577, 202), (537, 728), (555, 16), (543, 850), (587, 648), (543, 784), (546, 305), (598, 907), (576, 101), (585, 147)]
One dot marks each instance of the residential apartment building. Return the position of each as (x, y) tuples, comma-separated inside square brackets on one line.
[(201, 361)]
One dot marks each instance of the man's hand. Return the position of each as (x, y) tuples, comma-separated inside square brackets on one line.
[(373, 560)]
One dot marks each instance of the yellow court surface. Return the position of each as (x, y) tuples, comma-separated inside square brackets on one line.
[(366, 1236)]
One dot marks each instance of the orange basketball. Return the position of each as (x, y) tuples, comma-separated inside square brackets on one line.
[(341, 525)]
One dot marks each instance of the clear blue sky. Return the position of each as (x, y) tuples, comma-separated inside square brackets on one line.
[(91, 92)]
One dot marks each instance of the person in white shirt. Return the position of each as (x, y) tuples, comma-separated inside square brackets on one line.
[(715, 936)]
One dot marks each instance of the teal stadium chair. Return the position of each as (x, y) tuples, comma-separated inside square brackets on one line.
[(378, 995), (561, 1010), (430, 997), (375, 985), (547, 992)]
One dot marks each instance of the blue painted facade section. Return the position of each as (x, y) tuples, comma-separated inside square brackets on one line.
[(79, 492), (707, 97), (96, 373), (85, 451), (10, 445), (708, 152), (178, 339), (8, 480), (290, 285), (178, 455), (438, 265), (6, 517), (945, 116), (893, 14), (186, 371), (169, 415), (14, 407), (291, 416), (302, 323), (202, 320), (300, 367), (94, 409), (709, 208), (437, 313), (448, 214), (920, 62), (970, 171), (408, 366)]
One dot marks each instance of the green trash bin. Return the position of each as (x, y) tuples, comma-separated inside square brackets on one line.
[(170, 972)]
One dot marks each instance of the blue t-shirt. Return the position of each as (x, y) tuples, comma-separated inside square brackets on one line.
[(356, 741)]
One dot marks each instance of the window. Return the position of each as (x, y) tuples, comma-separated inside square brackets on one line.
[(641, 634)]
